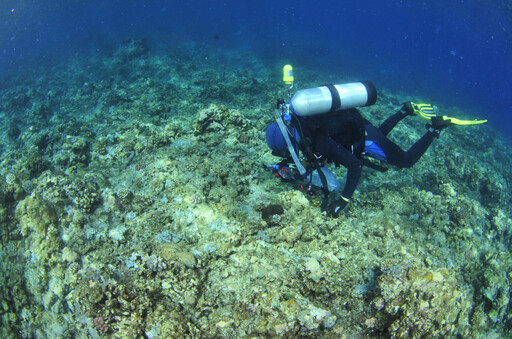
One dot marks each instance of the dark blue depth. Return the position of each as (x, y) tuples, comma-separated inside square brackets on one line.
[(455, 52)]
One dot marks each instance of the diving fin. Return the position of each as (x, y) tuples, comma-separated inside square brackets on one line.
[(425, 111), (460, 122)]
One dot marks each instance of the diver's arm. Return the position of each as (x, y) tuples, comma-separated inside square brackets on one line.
[(339, 154)]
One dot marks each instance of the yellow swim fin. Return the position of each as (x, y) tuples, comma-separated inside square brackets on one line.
[(426, 111), (460, 122)]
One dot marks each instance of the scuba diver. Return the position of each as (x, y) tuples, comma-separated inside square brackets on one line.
[(324, 125)]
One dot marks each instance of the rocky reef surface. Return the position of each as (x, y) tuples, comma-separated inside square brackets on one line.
[(134, 204)]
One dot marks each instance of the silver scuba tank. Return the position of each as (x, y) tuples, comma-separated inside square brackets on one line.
[(330, 98)]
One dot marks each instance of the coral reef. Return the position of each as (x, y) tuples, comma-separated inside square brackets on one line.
[(134, 203)]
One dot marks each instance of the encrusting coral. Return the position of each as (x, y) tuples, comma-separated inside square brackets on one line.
[(138, 205)]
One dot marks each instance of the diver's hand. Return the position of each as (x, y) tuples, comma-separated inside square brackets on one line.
[(334, 208)]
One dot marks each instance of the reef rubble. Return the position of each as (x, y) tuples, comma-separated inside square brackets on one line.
[(134, 204)]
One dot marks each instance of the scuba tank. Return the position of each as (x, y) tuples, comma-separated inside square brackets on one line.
[(331, 98)]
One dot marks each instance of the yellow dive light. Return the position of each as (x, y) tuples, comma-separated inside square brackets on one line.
[(288, 74)]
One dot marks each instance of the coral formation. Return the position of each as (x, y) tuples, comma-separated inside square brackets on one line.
[(134, 203)]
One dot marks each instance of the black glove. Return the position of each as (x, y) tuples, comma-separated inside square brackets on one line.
[(334, 208)]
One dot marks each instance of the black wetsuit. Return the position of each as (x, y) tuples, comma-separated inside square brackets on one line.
[(329, 137)]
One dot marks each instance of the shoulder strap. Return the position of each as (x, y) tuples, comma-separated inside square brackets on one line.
[(289, 144), (306, 149)]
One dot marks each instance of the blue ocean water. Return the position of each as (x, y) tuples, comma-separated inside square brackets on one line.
[(455, 52)]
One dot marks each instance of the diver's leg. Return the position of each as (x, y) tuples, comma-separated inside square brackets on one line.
[(405, 159), (391, 122)]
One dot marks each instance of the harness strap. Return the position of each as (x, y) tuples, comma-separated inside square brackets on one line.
[(312, 159), (289, 144), (307, 152)]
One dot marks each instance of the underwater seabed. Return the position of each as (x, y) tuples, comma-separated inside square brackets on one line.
[(134, 204)]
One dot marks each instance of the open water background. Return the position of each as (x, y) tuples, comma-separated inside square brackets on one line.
[(455, 52)]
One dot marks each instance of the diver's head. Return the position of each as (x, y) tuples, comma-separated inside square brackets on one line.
[(275, 139)]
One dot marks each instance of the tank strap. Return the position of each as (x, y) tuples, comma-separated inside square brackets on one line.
[(335, 95)]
